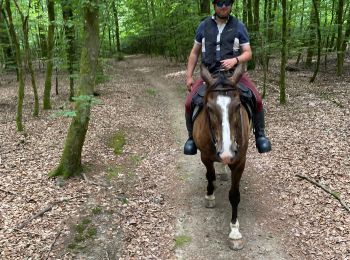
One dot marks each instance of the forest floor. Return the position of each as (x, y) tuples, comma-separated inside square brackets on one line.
[(147, 202)]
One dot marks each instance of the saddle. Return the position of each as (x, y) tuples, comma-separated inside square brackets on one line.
[(246, 95)]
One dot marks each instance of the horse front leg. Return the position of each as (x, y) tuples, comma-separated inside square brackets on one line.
[(210, 197), (235, 237)]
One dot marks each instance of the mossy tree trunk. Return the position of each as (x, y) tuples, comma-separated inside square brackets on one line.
[(69, 31), (50, 45), (70, 163), (16, 46), (283, 54), (28, 58)]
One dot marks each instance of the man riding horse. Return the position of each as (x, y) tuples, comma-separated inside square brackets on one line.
[(223, 42)]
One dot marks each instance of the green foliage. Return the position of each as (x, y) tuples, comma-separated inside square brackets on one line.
[(117, 142), (151, 91), (96, 210), (113, 171), (182, 240), (136, 159), (83, 231)]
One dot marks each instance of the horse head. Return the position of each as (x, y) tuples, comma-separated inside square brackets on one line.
[(224, 112)]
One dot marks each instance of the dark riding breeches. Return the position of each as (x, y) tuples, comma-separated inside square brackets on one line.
[(245, 80)]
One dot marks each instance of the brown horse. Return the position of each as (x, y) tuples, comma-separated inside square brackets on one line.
[(221, 133)]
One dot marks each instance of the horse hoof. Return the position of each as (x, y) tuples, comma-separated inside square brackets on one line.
[(236, 244), (210, 204)]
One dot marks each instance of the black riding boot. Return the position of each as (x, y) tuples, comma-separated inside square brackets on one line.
[(262, 143), (190, 147)]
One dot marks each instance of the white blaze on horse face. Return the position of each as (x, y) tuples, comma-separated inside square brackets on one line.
[(223, 102)]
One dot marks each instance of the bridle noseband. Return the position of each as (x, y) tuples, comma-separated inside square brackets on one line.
[(225, 90)]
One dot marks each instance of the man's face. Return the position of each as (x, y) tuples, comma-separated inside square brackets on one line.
[(223, 8)]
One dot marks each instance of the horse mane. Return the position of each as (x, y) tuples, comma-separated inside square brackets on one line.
[(221, 80)]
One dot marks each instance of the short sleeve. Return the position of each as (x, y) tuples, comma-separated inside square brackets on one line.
[(200, 33), (242, 34)]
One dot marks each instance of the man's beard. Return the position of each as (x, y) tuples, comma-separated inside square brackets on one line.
[(222, 17)]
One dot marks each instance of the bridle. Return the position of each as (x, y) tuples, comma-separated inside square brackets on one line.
[(224, 90)]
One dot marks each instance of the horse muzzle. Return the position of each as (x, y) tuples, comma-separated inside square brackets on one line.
[(227, 157)]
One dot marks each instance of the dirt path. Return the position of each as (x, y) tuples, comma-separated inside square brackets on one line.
[(207, 229), (148, 201)]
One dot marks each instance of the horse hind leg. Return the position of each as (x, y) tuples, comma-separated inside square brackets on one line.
[(210, 197)]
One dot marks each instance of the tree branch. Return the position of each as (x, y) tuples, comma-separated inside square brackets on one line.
[(333, 193), (53, 243), (43, 211)]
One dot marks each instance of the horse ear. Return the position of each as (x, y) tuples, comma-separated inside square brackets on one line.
[(206, 76), (240, 69)]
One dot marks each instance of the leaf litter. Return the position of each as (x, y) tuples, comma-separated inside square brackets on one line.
[(134, 211)]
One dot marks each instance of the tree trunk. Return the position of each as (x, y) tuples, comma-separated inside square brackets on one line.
[(283, 54), (5, 41), (301, 32), (205, 6), (15, 43), (41, 30), (50, 45), (244, 12), (317, 15), (329, 37), (310, 49), (250, 15), (116, 22), (28, 57), (256, 15), (69, 31), (340, 54), (70, 163)]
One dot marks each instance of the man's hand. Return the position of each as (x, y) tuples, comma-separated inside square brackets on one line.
[(189, 83), (228, 63)]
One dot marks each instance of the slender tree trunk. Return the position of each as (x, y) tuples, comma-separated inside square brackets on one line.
[(5, 41), (28, 57), (70, 163), (301, 32), (346, 36), (316, 5), (283, 54), (329, 37), (256, 15), (1, 2), (41, 30), (205, 6), (250, 15), (69, 31), (15, 43), (244, 12), (340, 54), (311, 45), (50, 45), (116, 22)]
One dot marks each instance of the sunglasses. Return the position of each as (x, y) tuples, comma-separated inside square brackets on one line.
[(221, 3)]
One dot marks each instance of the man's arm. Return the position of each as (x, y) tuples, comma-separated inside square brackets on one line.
[(246, 55), (192, 62)]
